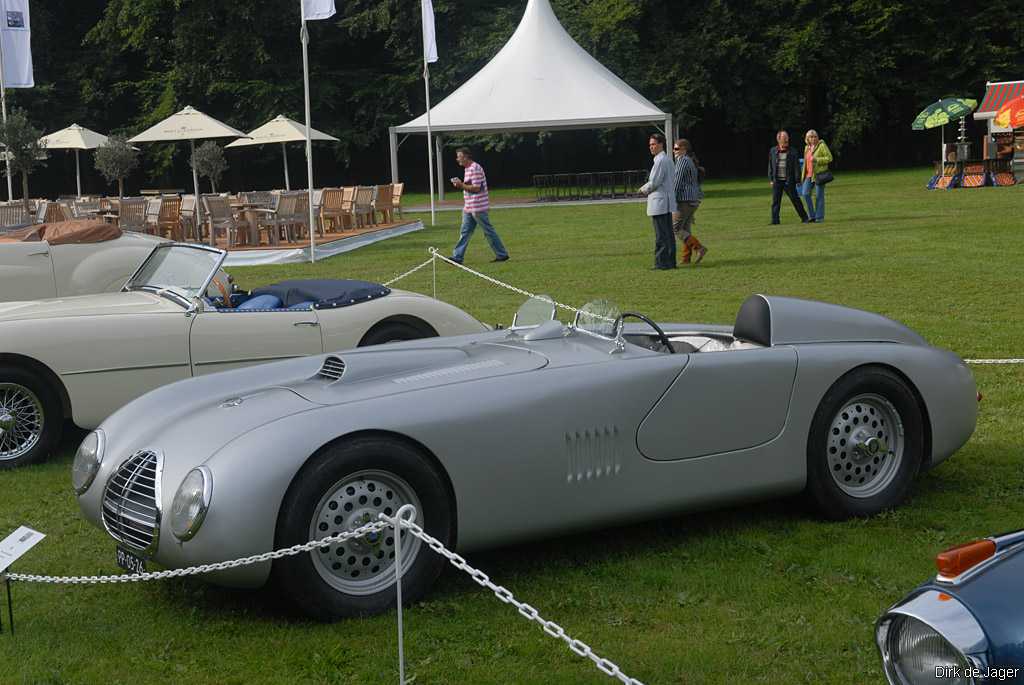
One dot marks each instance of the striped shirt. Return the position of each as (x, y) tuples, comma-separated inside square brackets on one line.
[(478, 201), (687, 181), (780, 167)]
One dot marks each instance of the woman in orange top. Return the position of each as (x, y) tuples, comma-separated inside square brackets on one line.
[(817, 157)]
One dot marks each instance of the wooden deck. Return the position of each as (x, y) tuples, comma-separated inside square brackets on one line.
[(320, 239)]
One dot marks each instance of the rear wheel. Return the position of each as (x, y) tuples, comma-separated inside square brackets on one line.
[(30, 418), (394, 331), (866, 444), (345, 487)]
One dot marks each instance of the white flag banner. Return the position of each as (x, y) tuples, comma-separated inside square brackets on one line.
[(429, 40), (317, 9), (17, 44)]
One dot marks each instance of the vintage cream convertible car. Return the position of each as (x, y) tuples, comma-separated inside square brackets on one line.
[(176, 317), (69, 258)]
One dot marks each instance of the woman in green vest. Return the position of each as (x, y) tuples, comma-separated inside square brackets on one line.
[(817, 157)]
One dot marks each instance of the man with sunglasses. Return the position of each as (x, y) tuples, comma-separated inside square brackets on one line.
[(661, 202)]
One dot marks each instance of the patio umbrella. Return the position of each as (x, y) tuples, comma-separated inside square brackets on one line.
[(191, 125), (282, 130), (76, 138), (942, 112), (1011, 114)]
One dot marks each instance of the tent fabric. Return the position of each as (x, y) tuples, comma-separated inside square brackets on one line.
[(996, 95), (540, 80), (75, 232)]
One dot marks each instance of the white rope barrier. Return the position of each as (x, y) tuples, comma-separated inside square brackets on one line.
[(994, 361)]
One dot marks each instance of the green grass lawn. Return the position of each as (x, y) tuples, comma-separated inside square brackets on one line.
[(760, 593)]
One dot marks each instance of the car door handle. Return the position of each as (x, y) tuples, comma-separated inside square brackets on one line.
[(41, 252), (306, 323)]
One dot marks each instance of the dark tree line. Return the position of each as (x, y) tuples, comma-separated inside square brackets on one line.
[(732, 73)]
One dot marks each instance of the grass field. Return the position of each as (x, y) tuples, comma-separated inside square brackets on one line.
[(760, 593)]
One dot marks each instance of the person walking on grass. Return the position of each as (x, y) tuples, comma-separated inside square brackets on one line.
[(688, 197), (661, 202), (475, 207), (817, 157), (784, 177)]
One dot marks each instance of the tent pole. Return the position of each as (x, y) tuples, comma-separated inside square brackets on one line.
[(439, 145), (393, 138), (199, 204), (669, 131), (3, 106), (78, 176), (309, 144), (284, 154)]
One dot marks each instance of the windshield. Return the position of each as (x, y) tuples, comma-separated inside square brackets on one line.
[(184, 268), (600, 318)]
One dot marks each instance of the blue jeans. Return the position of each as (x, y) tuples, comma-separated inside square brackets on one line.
[(816, 210), (469, 222)]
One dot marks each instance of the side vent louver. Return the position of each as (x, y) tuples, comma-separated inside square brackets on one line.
[(333, 369)]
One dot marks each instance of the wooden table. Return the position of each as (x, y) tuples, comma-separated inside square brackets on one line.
[(248, 210)]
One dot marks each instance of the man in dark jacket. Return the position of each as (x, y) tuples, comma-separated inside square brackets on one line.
[(784, 174)]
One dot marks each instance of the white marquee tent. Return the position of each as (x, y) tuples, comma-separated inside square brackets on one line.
[(541, 80)]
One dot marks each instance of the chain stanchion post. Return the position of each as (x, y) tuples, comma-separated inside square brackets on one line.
[(10, 603), (406, 510)]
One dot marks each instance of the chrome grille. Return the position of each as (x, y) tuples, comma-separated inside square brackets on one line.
[(131, 502), (333, 369)]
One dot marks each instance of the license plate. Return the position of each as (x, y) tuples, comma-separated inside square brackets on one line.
[(130, 562)]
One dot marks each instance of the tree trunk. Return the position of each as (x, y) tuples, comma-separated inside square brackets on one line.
[(24, 190), (213, 185), (120, 188)]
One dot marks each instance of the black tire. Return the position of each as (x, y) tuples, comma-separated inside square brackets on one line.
[(33, 407), (318, 583), (849, 475), (394, 331)]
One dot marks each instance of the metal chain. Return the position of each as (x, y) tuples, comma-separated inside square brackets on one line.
[(204, 568), (994, 361), (410, 272), (578, 647)]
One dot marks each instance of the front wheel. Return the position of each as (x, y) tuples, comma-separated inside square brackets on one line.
[(865, 446), (30, 418), (342, 488)]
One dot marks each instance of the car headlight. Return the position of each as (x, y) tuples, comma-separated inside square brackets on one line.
[(87, 461), (914, 653), (191, 502)]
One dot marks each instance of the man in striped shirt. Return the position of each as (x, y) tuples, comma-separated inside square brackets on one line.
[(475, 206), (688, 197)]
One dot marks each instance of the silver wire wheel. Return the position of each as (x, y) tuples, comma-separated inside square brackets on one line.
[(22, 421), (865, 445), (362, 566)]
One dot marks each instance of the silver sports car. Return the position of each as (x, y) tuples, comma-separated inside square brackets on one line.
[(516, 434)]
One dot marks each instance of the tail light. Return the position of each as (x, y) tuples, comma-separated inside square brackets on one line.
[(961, 558)]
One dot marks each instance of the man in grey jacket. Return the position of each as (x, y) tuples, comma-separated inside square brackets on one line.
[(661, 202)]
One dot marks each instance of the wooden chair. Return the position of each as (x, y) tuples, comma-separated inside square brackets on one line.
[(132, 215), (168, 220), (258, 197), (85, 209), (279, 218), (152, 216), (219, 218), (396, 198), (300, 219), (362, 205), (187, 218), (13, 216), (383, 203), (332, 208)]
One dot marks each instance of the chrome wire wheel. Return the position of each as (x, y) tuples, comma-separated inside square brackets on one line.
[(21, 421), (364, 565), (865, 445)]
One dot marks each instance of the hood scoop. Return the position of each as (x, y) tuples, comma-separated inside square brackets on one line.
[(332, 370)]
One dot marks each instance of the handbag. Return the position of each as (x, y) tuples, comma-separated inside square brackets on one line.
[(823, 178)]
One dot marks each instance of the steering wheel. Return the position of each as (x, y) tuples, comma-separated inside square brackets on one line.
[(225, 292), (661, 334)]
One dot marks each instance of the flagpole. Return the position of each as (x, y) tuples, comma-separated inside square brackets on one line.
[(3, 106), (430, 144), (304, 35)]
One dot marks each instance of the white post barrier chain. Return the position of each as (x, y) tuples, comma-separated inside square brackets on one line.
[(578, 647), (410, 272), (994, 361)]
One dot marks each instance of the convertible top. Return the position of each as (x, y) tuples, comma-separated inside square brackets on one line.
[(73, 232), (325, 293)]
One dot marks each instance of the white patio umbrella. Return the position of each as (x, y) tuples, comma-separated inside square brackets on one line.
[(191, 125), (282, 130), (76, 138)]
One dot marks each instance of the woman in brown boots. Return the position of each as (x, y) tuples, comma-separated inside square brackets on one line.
[(688, 197)]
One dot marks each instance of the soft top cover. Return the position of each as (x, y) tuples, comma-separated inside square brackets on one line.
[(75, 232), (324, 294)]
